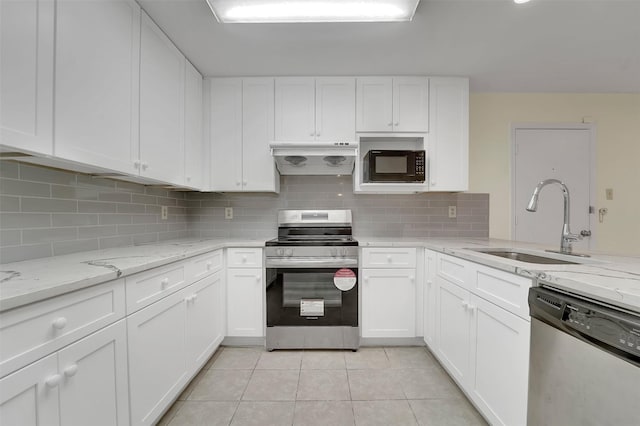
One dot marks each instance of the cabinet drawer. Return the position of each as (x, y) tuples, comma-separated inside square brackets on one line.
[(453, 269), (244, 258), (33, 331), (204, 265), (389, 258), (149, 286), (506, 290)]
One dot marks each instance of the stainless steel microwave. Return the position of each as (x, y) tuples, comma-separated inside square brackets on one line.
[(394, 166)]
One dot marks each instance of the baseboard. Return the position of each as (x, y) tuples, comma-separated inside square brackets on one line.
[(391, 341), (243, 341)]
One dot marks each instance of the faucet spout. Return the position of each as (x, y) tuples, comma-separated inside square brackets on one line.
[(567, 237)]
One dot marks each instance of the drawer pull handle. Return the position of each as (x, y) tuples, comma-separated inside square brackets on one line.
[(465, 305), (257, 278), (59, 323), (412, 279), (164, 282), (71, 370), (209, 265), (53, 381), (244, 259), (389, 259)]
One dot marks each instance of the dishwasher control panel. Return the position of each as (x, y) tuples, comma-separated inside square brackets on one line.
[(613, 329)]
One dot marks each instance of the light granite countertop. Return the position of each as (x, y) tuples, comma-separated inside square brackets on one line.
[(608, 278), (34, 280), (612, 279)]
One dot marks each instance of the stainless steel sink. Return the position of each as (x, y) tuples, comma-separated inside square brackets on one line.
[(525, 257)]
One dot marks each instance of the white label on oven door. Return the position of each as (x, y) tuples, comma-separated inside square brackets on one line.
[(344, 279), (311, 307)]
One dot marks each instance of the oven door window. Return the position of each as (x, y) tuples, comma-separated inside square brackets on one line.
[(309, 297)]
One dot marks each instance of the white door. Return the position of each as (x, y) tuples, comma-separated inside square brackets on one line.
[(258, 168), (94, 389), (97, 82), (558, 153), (295, 109), (453, 329), (29, 397), (157, 357), (26, 74), (244, 302), (193, 135), (336, 109), (225, 133), (162, 70), (410, 104), (374, 96), (388, 303)]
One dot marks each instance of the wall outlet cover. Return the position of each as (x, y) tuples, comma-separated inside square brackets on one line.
[(453, 211), (228, 212)]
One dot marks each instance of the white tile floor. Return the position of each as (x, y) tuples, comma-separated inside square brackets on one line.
[(373, 386)]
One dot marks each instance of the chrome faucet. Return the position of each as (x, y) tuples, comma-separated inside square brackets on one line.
[(567, 237)]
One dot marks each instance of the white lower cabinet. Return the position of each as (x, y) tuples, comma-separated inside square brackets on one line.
[(245, 293), (453, 329), (84, 383), (484, 346), (429, 301), (388, 303), (29, 397), (157, 356)]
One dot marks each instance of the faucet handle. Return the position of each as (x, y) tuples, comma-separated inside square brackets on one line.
[(573, 237)]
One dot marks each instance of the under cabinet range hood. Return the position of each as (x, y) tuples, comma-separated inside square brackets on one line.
[(314, 158)]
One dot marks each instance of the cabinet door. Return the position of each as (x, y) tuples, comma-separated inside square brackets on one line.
[(500, 363), (258, 168), (162, 69), (94, 388), (25, 397), (453, 329), (157, 357), (374, 110), (97, 83), (388, 303), (245, 294), (202, 325), (430, 293), (336, 109), (410, 104), (225, 133), (26, 74), (193, 135), (448, 149), (295, 109)]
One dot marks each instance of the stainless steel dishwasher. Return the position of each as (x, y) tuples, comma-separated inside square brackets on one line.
[(584, 363)]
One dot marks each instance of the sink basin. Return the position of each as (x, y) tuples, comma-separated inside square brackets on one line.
[(525, 257)]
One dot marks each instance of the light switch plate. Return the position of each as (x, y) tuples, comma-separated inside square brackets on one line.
[(164, 212), (609, 193)]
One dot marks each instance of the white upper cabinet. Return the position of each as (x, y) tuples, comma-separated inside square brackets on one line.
[(295, 109), (258, 168), (335, 109), (97, 77), (392, 104), (448, 146), (241, 125), (225, 133), (26, 74), (162, 71), (193, 135), (315, 109)]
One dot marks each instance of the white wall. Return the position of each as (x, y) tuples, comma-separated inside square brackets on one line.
[(617, 120)]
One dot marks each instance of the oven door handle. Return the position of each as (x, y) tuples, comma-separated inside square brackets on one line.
[(307, 262)]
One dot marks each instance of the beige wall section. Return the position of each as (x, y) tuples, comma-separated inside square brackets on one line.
[(617, 121)]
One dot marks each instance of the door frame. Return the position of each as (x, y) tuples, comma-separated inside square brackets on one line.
[(591, 127)]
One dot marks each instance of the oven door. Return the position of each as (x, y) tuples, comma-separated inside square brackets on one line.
[(309, 297)]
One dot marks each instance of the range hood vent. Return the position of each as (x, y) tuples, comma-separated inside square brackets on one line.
[(314, 158)]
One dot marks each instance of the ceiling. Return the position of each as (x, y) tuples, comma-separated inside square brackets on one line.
[(542, 46)]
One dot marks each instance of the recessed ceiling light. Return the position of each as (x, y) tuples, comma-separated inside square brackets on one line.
[(520, 1), (289, 11)]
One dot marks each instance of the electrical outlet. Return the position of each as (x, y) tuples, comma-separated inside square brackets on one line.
[(608, 193), (228, 212), (452, 212), (164, 212)]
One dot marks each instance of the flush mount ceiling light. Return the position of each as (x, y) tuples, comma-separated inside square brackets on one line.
[(289, 11), (520, 1)]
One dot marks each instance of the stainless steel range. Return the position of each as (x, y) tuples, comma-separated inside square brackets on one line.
[(312, 282)]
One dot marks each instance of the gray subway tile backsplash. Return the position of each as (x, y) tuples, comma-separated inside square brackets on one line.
[(48, 212)]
